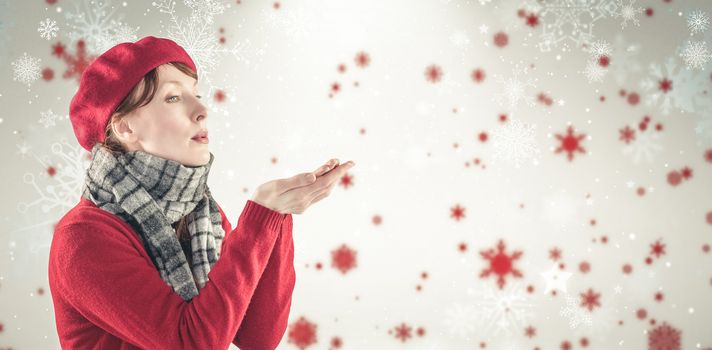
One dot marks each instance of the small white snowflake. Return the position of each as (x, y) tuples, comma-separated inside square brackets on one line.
[(48, 118), (515, 143), (629, 13), (698, 21), (696, 54), (26, 69), (594, 72), (48, 29)]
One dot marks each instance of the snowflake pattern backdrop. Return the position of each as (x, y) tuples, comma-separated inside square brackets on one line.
[(532, 174)]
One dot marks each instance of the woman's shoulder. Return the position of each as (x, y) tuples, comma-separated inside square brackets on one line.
[(85, 213)]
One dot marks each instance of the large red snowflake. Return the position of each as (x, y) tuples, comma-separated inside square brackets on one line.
[(664, 337), (501, 263), (402, 332), (570, 143), (77, 63), (302, 333), (343, 258), (589, 299)]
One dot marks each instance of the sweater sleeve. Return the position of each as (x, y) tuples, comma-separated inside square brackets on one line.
[(111, 283), (267, 315)]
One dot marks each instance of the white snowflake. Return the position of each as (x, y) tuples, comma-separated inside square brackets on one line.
[(598, 48), (594, 72), (48, 29), (625, 63), (94, 23), (26, 69), (570, 19), (698, 21), (629, 13), (576, 315), (48, 118), (696, 55), (502, 311), (515, 88), (670, 86), (64, 187), (460, 319), (23, 149), (515, 143), (646, 145), (196, 35)]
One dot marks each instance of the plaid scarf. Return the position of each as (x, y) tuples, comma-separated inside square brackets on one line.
[(151, 193)]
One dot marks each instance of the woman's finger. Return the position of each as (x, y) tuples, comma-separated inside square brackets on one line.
[(326, 167)]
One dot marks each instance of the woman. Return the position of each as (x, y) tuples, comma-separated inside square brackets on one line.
[(147, 259)]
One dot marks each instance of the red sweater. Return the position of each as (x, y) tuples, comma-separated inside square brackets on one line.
[(107, 293)]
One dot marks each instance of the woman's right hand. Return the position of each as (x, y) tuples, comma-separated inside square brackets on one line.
[(293, 195)]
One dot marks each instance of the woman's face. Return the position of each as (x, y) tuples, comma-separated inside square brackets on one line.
[(166, 126)]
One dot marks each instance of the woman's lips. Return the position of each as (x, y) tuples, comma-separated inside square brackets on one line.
[(203, 139)]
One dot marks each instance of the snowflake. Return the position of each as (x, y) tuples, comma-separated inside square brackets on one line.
[(460, 319), (196, 35), (26, 69), (664, 337), (575, 314), (590, 299), (594, 72), (48, 118), (302, 333), (94, 24), (645, 145), (48, 29), (670, 87), (343, 259), (67, 181), (625, 62), (570, 143), (514, 88), (598, 48), (570, 19), (505, 311), (696, 54), (629, 13), (698, 21), (514, 142), (500, 263)]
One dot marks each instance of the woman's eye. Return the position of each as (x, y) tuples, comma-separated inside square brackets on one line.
[(170, 98), (198, 96)]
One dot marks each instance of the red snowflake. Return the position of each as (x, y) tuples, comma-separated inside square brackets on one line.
[(362, 59), (501, 39), (457, 212), (402, 332), (627, 134), (433, 73), (657, 249), (664, 337), (343, 258), (570, 143), (501, 263), (589, 299), (530, 331), (346, 181), (555, 254), (77, 63), (665, 85), (302, 333), (478, 75)]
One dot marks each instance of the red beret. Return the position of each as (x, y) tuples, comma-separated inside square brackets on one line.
[(110, 77)]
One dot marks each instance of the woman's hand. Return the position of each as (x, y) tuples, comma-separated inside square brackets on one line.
[(295, 194)]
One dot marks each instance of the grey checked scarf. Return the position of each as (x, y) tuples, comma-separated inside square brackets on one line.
[(151, 193)]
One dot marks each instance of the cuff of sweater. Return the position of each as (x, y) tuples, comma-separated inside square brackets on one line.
[(257, 214)]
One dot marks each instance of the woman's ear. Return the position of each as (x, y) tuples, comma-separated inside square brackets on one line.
[(124, 130)]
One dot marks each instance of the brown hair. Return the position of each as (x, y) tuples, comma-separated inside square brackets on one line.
[(135, 99)]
